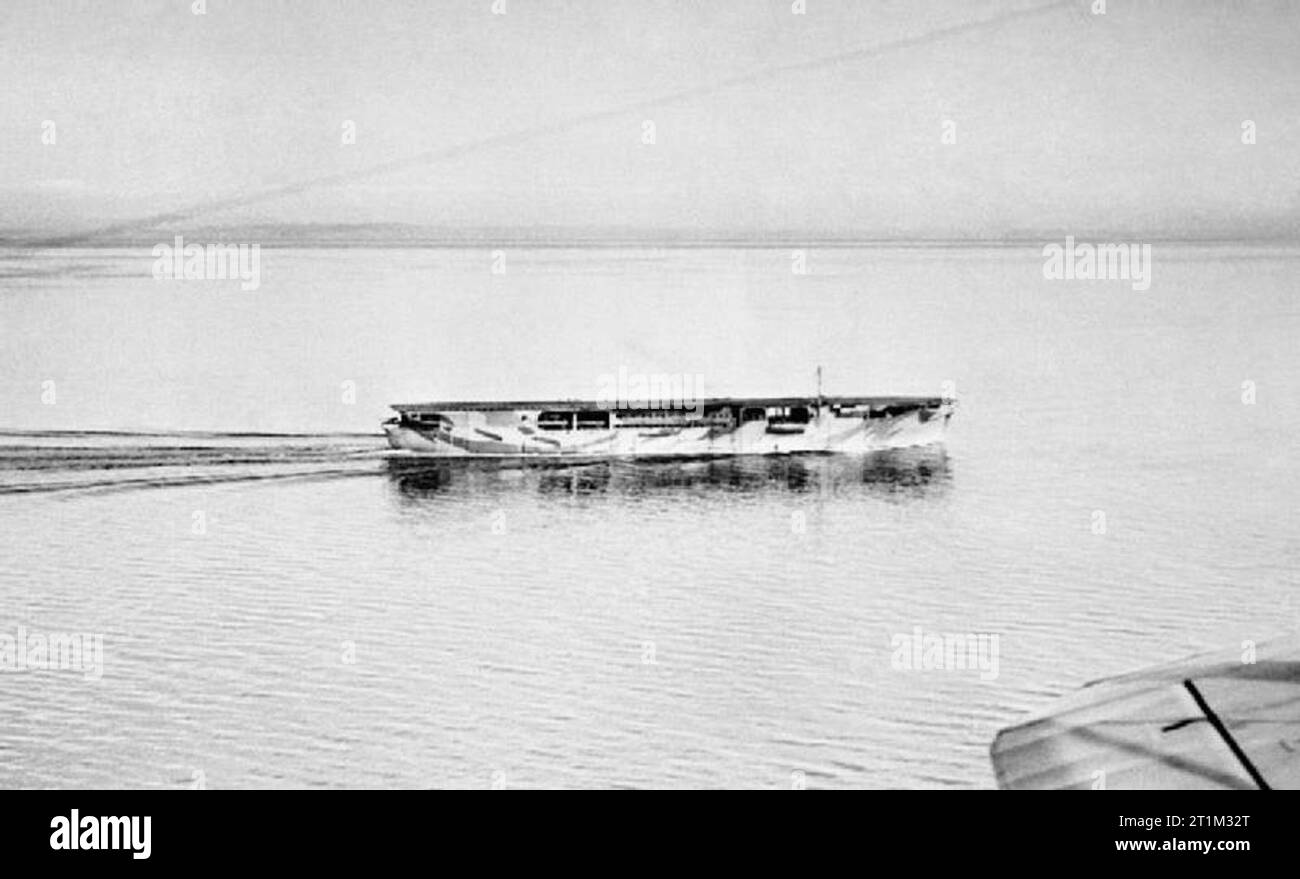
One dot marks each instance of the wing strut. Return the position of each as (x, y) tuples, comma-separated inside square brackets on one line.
[(1226, 736)]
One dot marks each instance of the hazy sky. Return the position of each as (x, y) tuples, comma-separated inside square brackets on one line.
[(1065, 120)]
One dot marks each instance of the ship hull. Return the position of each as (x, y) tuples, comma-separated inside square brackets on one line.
[(493, 435)]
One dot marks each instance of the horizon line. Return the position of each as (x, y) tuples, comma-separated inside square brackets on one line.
[(664, 240)]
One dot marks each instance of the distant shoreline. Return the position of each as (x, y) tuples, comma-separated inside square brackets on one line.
[(499, 243)]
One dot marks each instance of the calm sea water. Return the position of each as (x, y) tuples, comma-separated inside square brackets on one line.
[(293, 610)]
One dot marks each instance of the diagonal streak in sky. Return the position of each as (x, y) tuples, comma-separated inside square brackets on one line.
[(539, 131)]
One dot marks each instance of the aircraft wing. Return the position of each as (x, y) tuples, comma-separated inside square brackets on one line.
[(1214, 721)]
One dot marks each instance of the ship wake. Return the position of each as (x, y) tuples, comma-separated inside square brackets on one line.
[(94, 463)]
